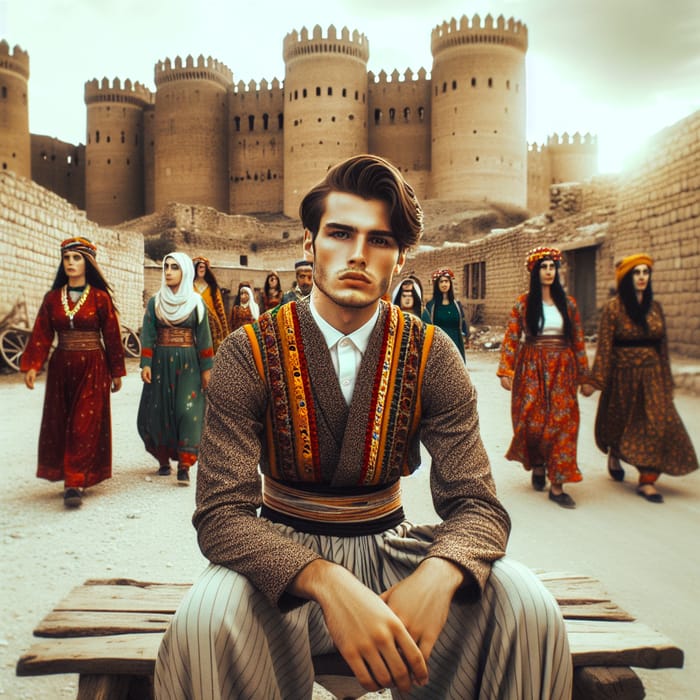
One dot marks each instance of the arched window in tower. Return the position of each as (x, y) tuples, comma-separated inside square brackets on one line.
[(392, 115), (473, 82), (109, 139), (280, 121), (303, 92), (123, 137), (490, 82), (454, 84), (318, 91), (330, 91), (444, 87), (377, 116), (251, 122), (97, 136), (237, 123), (296, 94), (407, 114), (421, 114), (357, 95), (345, 92), (266, 119), (4, 91), (507, 84)]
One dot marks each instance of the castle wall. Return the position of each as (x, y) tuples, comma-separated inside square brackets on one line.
[(149, 159), (190, 132), (33, 223), (399, 124), (573, 158), (60, 167), (15, 145), (539, 178), (325, 93), (115, 169), (256, 148), (479, 150)]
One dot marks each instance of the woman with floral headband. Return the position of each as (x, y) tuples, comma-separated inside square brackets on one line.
[(543, 362), (75, 442), (446, 312), (205, 283), (636, 420), (176, 361)]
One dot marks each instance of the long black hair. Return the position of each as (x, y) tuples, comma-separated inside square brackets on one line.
[(209, 277), (534, 316), (437, 294), (627, 293)]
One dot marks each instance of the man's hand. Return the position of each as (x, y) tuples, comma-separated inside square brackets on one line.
[(370, 637), (205, 376), (422, 600)]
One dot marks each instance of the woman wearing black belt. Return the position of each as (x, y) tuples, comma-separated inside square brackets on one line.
[(543, 362), (636, 420), (75, 442)]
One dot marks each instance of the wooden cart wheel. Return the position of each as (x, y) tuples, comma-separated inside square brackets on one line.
[(131, 342), (12, 344)]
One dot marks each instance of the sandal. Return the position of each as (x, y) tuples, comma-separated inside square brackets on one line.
[(562, 499), (538, 478), (614, 468), (654, 497)]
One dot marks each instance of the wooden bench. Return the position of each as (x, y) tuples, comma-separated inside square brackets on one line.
[(108, 631)]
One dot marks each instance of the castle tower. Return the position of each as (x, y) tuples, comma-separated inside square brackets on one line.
[(572, 159), (479, 149), (190, 132), (15, 142), (114, 180), (325, 97)]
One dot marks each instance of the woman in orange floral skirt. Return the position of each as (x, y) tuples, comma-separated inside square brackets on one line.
[(636, 420), (543, 362)]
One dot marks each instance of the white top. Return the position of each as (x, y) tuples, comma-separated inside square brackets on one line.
[(553, 320), (346, 350)]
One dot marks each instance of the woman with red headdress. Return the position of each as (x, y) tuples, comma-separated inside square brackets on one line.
[(446, 312), (75, 442), (636, 420), (205, 283), (543, 362)]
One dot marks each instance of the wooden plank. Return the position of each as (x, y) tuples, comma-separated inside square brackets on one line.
[(125, 654), (159, 598), (607, 683), (86, 623), (585, 610), (611, 643)]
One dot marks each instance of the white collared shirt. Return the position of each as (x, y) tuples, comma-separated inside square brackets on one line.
[(346, 350)]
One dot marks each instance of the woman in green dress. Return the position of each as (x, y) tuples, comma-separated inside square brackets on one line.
[(445, 311), (176, 361)]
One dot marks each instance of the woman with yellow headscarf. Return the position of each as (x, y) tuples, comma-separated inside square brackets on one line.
[(636, 420)]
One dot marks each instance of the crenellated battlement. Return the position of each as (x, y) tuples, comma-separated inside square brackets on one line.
[(251, 87), (14, 59), (204, 69), (395, 77), (586, 141), (298, 44), (501, 32), (104, 91)]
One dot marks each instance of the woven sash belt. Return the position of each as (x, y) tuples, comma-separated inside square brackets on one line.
[(552, 341), (175, 337), (79, 340), (338, 513)]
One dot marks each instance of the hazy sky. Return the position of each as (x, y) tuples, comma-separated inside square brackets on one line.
[(621, 69)]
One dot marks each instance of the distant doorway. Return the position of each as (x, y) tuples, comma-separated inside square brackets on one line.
[(581, 284)]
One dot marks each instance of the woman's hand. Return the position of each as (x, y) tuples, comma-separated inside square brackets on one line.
[(146, 375), (116, 384), (205, 376), (507, 383), (587, 389), (29, 377)]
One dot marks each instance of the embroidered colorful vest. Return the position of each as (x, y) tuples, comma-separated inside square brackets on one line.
[(291, 438)]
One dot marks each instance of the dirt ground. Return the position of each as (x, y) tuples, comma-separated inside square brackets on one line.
[(137, 525)]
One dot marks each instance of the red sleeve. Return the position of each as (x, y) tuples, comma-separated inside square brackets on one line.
[(39, 344)]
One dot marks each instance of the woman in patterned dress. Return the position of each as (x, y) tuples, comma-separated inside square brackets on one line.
[(205, 283), (75, 442), (272, 292), (176, 361), (445, 311), (544, 370), (636, 420), (245, 310)]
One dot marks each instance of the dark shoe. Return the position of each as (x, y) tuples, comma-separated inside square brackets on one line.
[(164, 470), (614, 468), (563, 500), (538, 479), (72, 498), (183, 477), (654, 497)]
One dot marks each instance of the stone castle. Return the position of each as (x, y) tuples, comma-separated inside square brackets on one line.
[(203, 139)]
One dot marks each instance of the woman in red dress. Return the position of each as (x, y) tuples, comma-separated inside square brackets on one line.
[(544, 372), (245, 309), (75, 442), (272, 292)]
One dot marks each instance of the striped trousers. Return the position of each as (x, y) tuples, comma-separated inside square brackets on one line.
[(227, 641)]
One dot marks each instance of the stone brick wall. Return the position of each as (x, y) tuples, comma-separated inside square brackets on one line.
[(33, 222)]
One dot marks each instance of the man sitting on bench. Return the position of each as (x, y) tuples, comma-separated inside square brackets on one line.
[(330, 399)]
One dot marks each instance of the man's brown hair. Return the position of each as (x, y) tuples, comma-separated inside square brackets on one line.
[(369, 177)]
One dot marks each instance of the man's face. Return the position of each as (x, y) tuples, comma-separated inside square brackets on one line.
[(305, 280), (355, 253)]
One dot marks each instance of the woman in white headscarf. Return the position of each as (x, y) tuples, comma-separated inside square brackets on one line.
[(245, 309), (176, 361)]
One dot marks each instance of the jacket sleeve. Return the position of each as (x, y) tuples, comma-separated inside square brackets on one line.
[(111, 334), (511, 339), (205, 346), (148, 334), (600, 374)]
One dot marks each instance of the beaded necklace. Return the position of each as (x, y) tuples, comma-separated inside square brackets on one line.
[(70, 313)]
